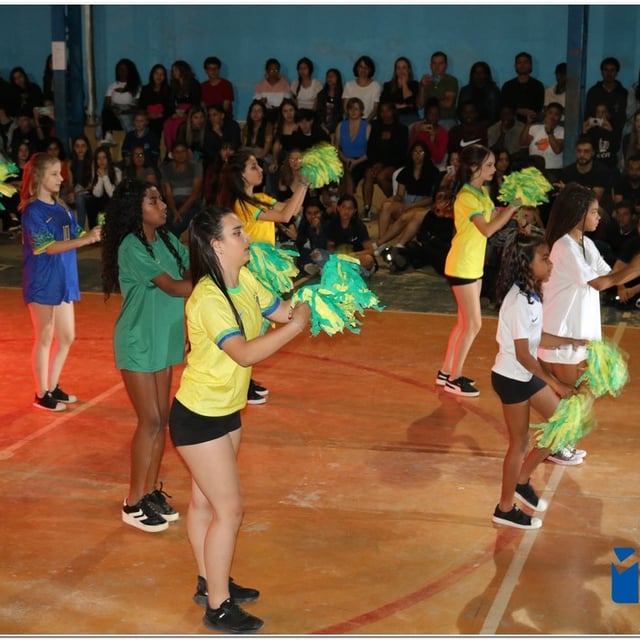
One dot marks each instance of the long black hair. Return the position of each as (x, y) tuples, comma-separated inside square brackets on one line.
[(569, 209), (124, 216), (205, 226), (517, 255)]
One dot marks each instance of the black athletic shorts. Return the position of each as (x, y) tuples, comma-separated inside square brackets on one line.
[(456, 282), (187, 427), (513, 391)]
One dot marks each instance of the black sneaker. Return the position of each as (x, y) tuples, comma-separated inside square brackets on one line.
[(528, 496), (441, 378), (143, 516), (259, 389), (48, 402), (158, 501), (461, 387), (59, 395), (515, 518), (240, 595), (231, 618), (253, 397)]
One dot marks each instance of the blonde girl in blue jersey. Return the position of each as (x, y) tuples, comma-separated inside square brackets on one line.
[(225, 316), (475, 219)]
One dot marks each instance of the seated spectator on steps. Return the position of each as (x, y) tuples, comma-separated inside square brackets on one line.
[(141, 135), (106, 177), (546, 140), (216, 90), (403, 91), (311, 235), (305, 88), (627, 186), (120, 100), (308, 133), (347, 234), (469, 131), (505, 134), (181, 187), (603, 138), (155, 99), (352, 137), (417, 183), (483, 92), (386, 152), (363, 87), (141, 167), (219, 129), (432, 133)]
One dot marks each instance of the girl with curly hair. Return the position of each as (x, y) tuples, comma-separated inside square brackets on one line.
[(518, 377), (148, 265)]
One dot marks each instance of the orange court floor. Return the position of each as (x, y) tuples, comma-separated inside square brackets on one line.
[(368, 496)]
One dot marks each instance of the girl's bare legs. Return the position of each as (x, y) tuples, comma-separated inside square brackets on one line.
[(149, 394), (468, 324), (215, 510), (389, 211), (49, 322), (516, 469)]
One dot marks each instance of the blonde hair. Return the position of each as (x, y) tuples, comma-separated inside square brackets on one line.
[(32, 177)]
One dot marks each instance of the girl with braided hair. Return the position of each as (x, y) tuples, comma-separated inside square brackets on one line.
[(148, 265), (225, 316), (518, 377)]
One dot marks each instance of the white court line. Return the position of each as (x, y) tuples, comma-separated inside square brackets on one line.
[(512, 576), (68, 415)]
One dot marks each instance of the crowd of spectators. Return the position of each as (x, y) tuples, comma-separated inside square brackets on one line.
[(179, 133)]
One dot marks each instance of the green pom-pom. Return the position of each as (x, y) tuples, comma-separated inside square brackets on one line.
[(529, 186), (102, 217), (607, 370), (340, 296), (273, 267), (572, 420), (321, 165)]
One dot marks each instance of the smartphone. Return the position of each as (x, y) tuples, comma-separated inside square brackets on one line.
[(451, 170), (44, 111)]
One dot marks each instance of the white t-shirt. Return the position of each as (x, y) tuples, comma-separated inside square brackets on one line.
[(121, 98), (306, 97), (572, 307), (518, 319), (540, 145), (550, 96), (369, 94)]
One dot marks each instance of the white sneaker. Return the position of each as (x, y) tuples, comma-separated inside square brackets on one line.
[(565, 457)]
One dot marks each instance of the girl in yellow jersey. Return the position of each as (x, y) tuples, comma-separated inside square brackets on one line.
[(475, 219), (225, 316)]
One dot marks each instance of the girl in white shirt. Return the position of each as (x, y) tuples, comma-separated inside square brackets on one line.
[(517, 375), (572, 294)]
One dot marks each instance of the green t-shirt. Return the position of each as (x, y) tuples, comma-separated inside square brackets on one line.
[(149, 332)]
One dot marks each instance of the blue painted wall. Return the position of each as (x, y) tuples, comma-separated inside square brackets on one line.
[(245, 36)]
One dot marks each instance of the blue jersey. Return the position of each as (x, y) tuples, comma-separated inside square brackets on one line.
[(48, 279)]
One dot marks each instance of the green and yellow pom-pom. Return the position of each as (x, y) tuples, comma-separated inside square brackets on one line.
[(273, 267), (529, 186), (572, 420), (7, 170), (102, 216), (321, 165), (607, 370), (340, 296)]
